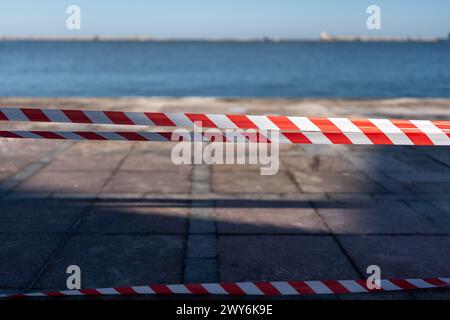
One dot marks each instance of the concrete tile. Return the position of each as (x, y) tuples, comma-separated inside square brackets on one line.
[(428, 187), (417, 177), (343, 182), (31, 150), (417, 256), (85, 163), (22, 256), (351, 196), (201, 271), (107, 261), (149, 182), (69, 182), (383, 217), (44, 216), (133, 217), (443, 205), (424, 164), (432, 213), (322, 163), (203, 224), (83, 148), (269, 221), (252, 183), (4, 175), (14, 163), (278, 258), (202, 246), (376, 161), (152, 162)]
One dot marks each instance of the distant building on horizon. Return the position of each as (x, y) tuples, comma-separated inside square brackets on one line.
[(330, 38)]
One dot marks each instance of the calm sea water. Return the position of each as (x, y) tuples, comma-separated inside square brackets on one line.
[(227, 69)]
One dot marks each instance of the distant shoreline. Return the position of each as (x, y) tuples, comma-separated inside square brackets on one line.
[(263, 40)]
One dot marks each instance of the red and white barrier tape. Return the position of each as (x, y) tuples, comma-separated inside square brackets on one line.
[(226, 137), (279, 288), (329, 130), (314, 130)]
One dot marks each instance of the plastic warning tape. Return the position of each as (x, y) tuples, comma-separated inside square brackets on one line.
[(278, 288), (226, 137), (321, 130)]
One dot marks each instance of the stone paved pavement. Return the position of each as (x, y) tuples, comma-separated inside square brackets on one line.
[(128, 216)]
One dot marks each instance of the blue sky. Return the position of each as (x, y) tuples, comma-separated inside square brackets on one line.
[(224, 18)]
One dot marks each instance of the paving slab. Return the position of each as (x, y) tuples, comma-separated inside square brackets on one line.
[(443, 205), (22, 256), (253, 182), (322, 163), (137, 216), (5, 175), (85, 163), (148, 182), (202, 270), (342, 182), (416, 256), (428, 187), (117, 260), (68, 182), (380, 217), (39, 215), (282, 257), (152, 162), (268, 221), (14, 163)]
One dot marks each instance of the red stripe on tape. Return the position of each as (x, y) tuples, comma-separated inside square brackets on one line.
[(436, 282), (196, 289), (132, 136), (90, 292), (3, 117), (161, 289), (202, 118), (35, 115), (283, 122), (402, 283), (335, 286), (417, 137), (160, 119), (118, 117), (301, 287), (54, 294), (126, 290), (267, 288), (90, 135), (297, 137), (371, 131), (7, 134), (48, 135), (242, 121), (76, 116), (233, 289), (334, 134)]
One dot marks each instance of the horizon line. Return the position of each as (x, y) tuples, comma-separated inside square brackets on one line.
[(144, 38)]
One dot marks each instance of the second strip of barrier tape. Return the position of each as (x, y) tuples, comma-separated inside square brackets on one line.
[(275, 288)]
